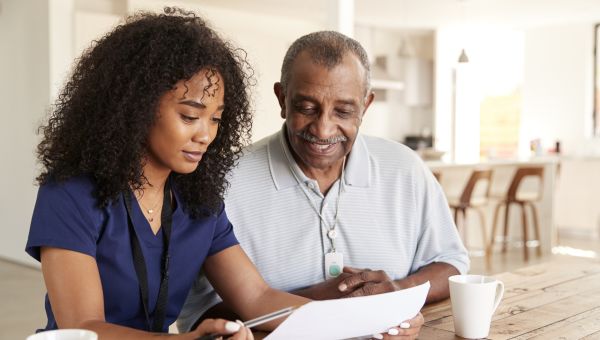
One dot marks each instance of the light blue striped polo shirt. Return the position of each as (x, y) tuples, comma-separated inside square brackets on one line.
[(393, 216)]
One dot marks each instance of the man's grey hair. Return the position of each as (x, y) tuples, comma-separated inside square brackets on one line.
[(326, 48)]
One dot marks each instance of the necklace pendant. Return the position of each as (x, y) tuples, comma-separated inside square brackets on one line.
[(150, 211), (151, 219)]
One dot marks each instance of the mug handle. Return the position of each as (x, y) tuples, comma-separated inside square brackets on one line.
[(499, 294)]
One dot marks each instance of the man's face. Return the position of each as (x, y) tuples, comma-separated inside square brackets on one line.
[(323, 109)]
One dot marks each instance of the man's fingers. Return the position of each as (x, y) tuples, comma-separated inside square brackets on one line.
[(361, 278), (372, 289), (353, 281), (351, 270)]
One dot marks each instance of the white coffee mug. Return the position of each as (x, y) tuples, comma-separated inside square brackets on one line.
[(474, 300), (65, 334)]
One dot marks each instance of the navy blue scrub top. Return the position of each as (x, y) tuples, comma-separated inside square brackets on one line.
[(66, 216)]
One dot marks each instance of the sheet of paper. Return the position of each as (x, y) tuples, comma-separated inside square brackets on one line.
[(352, 317)]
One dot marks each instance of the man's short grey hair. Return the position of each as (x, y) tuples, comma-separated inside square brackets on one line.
[(326, 48)]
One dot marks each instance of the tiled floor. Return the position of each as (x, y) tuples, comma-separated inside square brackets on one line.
[(22, 288)]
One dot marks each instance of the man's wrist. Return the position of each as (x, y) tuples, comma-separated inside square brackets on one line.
[(403, 283)]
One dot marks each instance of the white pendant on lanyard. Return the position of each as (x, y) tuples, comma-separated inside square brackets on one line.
[(334, 263)]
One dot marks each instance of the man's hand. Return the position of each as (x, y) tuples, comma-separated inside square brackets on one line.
[(361, 282), (325, 290), (408, 330)]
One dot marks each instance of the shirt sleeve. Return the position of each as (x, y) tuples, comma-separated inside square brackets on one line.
[(439, 240), (62, 218), (223, 237)]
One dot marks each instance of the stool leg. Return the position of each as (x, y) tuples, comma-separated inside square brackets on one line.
[(465, 227), (494, 225), (483, 235), (536, 227), (483, 230), (506, 215), (525, 237), (456, 218)]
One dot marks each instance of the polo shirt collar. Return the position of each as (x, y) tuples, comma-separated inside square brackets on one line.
[(282, 163)]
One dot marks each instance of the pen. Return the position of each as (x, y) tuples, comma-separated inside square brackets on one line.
[(255, 322)]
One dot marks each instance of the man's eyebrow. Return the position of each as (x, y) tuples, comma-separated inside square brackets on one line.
[(346, 101), (301, 97), (198, 105)]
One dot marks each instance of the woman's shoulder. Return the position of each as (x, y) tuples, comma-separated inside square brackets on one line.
[(80, 189)]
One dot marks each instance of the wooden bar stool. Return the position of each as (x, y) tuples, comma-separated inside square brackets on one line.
[(479, 179), (523, 199)]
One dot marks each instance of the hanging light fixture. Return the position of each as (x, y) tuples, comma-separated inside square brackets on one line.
[(462, 58)]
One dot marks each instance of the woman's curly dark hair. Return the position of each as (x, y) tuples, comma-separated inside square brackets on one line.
[(100, 122)]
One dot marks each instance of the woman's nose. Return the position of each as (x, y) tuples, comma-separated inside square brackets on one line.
[(202, 132)]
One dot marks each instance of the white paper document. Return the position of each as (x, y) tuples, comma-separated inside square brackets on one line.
[(352, 317)]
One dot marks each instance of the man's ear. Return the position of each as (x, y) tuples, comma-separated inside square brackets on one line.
[(279, 93), (368, 101)]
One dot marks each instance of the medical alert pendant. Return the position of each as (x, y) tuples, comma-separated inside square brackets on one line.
[(334, 263)]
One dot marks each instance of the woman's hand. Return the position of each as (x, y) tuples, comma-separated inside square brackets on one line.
[(228, 329), (408, 330)]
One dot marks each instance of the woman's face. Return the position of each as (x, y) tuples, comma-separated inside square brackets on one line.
[(187, 122)]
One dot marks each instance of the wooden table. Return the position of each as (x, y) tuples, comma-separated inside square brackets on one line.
[(559, 299)]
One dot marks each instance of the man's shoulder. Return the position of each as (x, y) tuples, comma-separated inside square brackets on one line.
[(257, 150), (252, 168)]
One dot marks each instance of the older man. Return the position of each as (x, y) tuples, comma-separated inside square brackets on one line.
[(326, 212)]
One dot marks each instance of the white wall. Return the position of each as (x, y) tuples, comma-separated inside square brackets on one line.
[(265, 38), (24, 94), (558, 87), (40, 38)]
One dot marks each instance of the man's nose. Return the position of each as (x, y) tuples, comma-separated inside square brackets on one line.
[(324, 126)]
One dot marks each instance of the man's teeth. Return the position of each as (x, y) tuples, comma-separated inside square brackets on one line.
[(322, 146)]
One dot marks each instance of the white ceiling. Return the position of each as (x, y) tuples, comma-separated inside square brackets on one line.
[(431, 13)]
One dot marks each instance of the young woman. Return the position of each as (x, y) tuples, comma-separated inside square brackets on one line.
[(134, 156)]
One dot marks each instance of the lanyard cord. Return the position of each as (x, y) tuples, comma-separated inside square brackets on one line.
[(140, 264), (331, 233)]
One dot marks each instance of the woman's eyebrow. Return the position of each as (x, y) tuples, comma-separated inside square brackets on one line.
[(193, 103), (199, 105)]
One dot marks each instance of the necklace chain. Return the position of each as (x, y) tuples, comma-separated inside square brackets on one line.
[(150, 211)]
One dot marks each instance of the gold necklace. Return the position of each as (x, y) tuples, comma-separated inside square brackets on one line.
[(149, 211)]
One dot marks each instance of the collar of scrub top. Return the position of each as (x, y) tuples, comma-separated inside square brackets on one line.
[(281, 163)]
